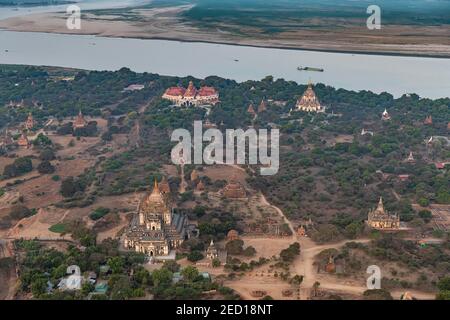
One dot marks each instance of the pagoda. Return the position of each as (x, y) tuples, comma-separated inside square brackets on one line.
[(262, 106), (80, 122), (200, 186), (23, 141), (234, 190), (309, 102), (364, 132), (380, 219), (410, 158), (194, 175), (251, 109), (385, 115), (428, 120), (155, 229), (164, 186), (212, 252), (29, 124)]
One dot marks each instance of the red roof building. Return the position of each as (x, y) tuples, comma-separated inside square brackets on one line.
[(440, 165), (191, 96)]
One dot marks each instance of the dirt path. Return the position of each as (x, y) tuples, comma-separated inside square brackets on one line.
[(281, 213), (303, 265)]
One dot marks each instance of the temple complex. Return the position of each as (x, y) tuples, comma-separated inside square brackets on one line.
[(79, 122), (29, 124), (234, 190), (385, 115), (155, 229), (191, 96), (309, 102), (380, 219)]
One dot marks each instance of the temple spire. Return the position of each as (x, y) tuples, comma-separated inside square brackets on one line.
[(380, 204)]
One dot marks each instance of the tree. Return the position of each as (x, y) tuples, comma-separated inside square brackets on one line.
[(70, 186), (296, 280), (162, 277), (18, 167), (190, 273), (425, 215), (235, 247), (444, 284), (316, 286), (19, 212), (249, 251), (195, 256), (45, 167), (38, 286), (377, 294), (289, 254), (171, 265), (87, 287), (353, 229), (116, 264), (10, 171), (47, 155), (42, 140), (107, 136), (216, 263)]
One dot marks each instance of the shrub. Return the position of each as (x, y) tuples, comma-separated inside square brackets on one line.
[(45, 167), (195, 256), (99, 213)]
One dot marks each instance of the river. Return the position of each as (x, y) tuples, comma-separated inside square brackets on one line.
[(428, 77)]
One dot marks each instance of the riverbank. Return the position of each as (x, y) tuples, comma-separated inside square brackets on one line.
[(165, 24)]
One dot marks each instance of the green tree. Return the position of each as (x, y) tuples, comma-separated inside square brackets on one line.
[(162, 277), (195, 256), (116, 264), (190, 273)]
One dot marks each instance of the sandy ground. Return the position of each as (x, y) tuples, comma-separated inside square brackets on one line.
[(163, 23)]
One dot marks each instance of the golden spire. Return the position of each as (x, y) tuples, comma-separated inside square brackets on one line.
[(380, 204), (155, 187)]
